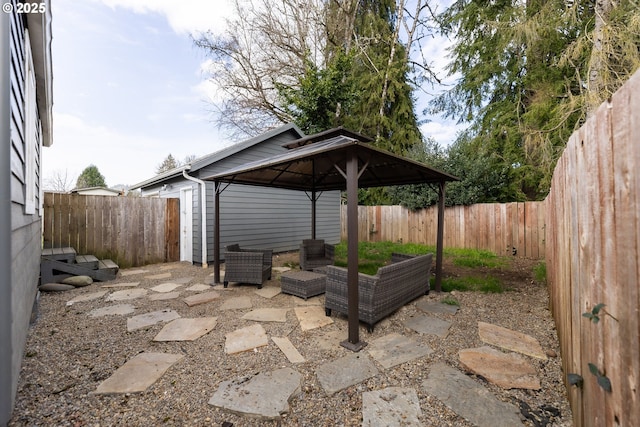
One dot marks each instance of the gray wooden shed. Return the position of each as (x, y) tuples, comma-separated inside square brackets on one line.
[(25, 127), (264, 218)]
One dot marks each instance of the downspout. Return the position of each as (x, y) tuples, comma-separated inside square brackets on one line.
[(203, 207)]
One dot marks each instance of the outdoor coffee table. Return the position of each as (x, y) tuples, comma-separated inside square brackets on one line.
[(303, 284)]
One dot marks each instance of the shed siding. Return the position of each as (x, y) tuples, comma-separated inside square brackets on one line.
[(266, 218), (251, 216), (21, 288)]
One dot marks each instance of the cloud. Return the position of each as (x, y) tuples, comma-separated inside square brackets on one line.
[(184, 16), (443, 132)]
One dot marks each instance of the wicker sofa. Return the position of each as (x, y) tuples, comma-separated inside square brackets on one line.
[(394, 285), (315, 253), (247, 265)]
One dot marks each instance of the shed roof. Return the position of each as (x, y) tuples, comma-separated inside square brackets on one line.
[(211, 158), (321, 166)]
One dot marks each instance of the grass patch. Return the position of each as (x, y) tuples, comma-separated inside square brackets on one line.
[(449, 300), (488, 284), (373, 255), (540, 272), (474, 258)]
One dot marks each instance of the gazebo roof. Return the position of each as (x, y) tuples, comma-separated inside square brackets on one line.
[(336, 159), (321, 166)]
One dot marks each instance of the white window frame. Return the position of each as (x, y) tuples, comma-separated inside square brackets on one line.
[(30, 130)]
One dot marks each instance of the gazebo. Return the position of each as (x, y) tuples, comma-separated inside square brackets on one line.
[(337, 159)]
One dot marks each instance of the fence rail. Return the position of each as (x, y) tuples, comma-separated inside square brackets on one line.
[(506, 229), (131, 231), (593, 254)]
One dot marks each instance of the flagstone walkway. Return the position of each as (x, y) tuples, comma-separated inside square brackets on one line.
[(266, 394)]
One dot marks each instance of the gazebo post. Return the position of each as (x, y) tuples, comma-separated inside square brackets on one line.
[(440, 236), (216, 234), (353, 342), (313, 214)]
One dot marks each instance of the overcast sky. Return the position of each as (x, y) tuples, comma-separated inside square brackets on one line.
[(129, 87)]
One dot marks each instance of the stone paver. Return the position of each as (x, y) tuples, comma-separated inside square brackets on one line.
[(394, 349), (202, 298), (268, 292), (164, 297), (436, 307), (289, 350), (87, 297), (344, 372), (305, 302), (166, 287), (127, 294), (267, 315), (244, 339), (428, 325), (510, 340), (281, 269), (148, 319), (236, 303), (311, 317), (117, 310), (186, 329), (139, 373), (122, 285), (158, 276), (264, 396), (507, 370), (391, 407), (468, 398), (125, 273), (198, 287), (182, 280)]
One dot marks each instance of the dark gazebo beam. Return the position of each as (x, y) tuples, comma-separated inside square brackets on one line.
[(440, 236)]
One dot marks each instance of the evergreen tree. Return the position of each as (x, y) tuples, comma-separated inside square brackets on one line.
[(526, 77), (90, 177), (167, 164)]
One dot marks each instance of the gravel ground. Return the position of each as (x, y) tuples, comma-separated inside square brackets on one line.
[(68, 354)]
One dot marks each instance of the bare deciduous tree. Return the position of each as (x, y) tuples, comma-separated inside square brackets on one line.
[(59, 180), (269, 43)]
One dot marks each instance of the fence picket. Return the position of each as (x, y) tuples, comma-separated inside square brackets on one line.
[(131, 231)]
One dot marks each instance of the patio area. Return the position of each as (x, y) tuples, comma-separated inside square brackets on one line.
[(205, 355)]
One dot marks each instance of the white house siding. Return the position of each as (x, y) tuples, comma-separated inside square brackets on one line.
[(22, 172)]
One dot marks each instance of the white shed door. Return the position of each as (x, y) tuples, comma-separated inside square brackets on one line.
[(186, 224)]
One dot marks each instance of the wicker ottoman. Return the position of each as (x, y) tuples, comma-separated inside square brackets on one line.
[(303, 284)]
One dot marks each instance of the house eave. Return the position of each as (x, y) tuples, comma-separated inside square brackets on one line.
[(39, 25)]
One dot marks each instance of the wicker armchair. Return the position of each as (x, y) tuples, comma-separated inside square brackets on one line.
[(315, 253), (393, 286), (246, 265)]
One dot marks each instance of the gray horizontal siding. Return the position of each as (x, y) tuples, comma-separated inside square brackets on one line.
[(26, 234), (277, 219)]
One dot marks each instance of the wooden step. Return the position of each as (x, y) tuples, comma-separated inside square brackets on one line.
[(60, 254), (108, 265), (87, 261), (52, 271)]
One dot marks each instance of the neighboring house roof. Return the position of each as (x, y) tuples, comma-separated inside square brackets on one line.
[(214, 157), (96, 190)]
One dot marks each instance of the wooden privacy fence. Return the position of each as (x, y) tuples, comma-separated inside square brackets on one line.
[(504, 228), (131, 231), (593, 251)]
